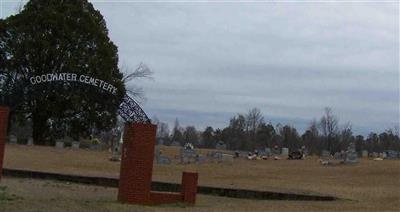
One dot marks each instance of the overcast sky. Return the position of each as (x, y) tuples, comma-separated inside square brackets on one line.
[(213, 60)]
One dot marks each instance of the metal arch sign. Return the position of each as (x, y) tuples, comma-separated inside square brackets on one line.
[(72, 77), (129, 110)]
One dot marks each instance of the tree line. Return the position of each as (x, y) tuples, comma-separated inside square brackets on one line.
[(250, 131)]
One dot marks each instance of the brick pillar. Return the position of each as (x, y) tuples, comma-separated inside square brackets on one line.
[(4, 111), (137, 163), (189, 187)]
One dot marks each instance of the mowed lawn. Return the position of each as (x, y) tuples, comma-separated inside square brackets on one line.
[(368, 185)]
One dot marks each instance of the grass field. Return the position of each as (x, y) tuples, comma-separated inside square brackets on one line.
[(367, 186)]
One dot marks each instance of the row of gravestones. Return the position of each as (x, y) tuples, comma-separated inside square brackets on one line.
[(348, 157), (284, 152), (189, 155), (389, 154), (12, 139), (59, 144)]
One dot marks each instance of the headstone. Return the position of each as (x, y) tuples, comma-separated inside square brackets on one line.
[(227, 158), (351, 154), (268, 151), (285, 152), (188, 154), (75, 145), (364, 153), (216, 155), (305, 152), (200, 159), (276, 150), (12, 139), (392, 154), (59, 144), (160, 159), (339, 155), (96, 147), (30, 141), (116, 152), (325, 153), (261, 153), (220, 145), (160, 141)]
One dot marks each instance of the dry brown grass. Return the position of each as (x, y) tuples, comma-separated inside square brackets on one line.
[(369, 185)]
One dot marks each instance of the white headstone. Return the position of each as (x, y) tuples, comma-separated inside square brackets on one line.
[(351, 154), (59, 144), (285, 151), (116, 152), (75, 145), (364, 153), (325, 153), (268, 150), (30, 142)]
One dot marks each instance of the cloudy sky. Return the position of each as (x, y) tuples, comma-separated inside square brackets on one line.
[(213, 60)]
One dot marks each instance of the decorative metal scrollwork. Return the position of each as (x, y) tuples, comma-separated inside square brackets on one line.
[(131, 112)]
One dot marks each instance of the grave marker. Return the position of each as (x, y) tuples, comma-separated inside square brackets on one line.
[(351, 154), (30, 141), (75, 145), (364, 153), (59, 144), (12, 139), (285, 152)]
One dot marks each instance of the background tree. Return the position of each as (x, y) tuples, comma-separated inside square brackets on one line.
[(290, 137), (373, 143), (264, 136), (207, 138), (254, 119), (177, 135), (235, 133), (311, 138), (346, 137), (51, 36), (329, 129), (142, 71), (190, 135)]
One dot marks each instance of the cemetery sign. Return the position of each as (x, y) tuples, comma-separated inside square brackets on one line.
[(129, 110), (72, 77)]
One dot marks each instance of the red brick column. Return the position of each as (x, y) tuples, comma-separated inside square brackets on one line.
[(137, 163), (4, 111), (189, 187)]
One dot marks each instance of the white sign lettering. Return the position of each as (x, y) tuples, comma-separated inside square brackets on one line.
[(71, 77)]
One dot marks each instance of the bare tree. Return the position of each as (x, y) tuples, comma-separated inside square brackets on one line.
[(346, 136), (329, 124), (396, 130), (254, 119), (329, 129), (162, 130), (141, 72), (314, 128)]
